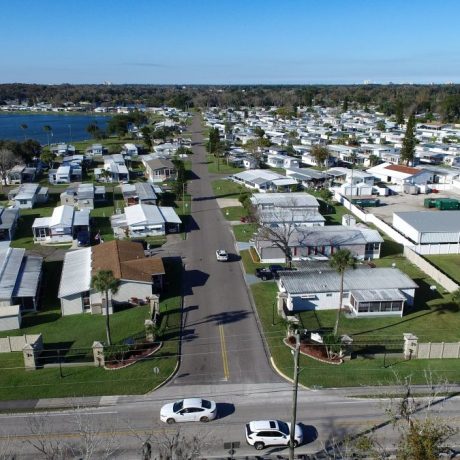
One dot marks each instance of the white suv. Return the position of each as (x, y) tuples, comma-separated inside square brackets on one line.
[(264, 433)]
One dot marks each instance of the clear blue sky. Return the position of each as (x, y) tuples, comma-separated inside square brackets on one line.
[(223, 41)]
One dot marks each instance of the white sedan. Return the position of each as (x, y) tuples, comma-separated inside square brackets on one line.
[(189, 410), (221, 255)]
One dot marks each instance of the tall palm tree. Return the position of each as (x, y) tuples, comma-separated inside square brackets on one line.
[(103, 282), (24, 128), (48, 130), (341, 261)]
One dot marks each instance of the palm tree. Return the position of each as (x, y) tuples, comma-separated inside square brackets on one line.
[(48, 130), (341, 260), (24, 128), (103, 282)]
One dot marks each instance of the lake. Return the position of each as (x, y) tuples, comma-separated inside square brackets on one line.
[(65, 128)]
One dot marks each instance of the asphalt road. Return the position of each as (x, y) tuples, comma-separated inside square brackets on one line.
[(221, 338), (126, 422)]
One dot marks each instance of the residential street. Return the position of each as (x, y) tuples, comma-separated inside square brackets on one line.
[(325, 416), (221, 339)]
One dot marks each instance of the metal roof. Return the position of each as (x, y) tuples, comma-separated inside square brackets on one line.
[(373, 295), (336, 235), (289, 200), (62, 216), (28, 277), (81, 217), (283, 215), (76, 273), (169, 214), (7, 217), (305, 282), (145, 191), (10, 265), (143, 214), (432, 221)]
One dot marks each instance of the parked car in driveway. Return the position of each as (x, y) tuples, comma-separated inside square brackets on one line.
[(264, 433), (221, 255), (189, 410), (264, 274), (275, 269)]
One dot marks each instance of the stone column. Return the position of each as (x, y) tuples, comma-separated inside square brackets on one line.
[(98, 353), (150, 330), (154, 307), (410, 345), (29, 357)]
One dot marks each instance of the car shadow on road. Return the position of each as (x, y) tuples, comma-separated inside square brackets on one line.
[(310, 433), (224, 410)]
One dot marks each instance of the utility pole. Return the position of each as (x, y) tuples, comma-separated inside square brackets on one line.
[(294, 396)]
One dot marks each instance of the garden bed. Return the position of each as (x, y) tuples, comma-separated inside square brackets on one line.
[(132, 356), (315, 351)]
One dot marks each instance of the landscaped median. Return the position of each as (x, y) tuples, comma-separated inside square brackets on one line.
[(74, 336), (378, 340)]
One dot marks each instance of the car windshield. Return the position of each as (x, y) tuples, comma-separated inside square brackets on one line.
[(178, 406), (283, 427), (206, 404)]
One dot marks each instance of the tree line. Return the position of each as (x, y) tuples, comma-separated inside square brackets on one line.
[(390, 99)]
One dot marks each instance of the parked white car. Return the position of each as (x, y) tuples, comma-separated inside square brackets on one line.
[(264, 433), (221, 255), (189, 410)]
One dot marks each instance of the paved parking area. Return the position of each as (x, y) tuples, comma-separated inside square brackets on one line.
[(404, 202)]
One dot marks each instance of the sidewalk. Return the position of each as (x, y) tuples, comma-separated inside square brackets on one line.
[(29, 405)]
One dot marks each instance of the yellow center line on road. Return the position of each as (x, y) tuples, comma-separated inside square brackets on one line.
[(223, 346)]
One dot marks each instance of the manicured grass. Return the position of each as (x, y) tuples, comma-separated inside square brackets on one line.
[(226, 188), (447, 263), (100, 219), (249, 263), (234, 212), (335, 217), (244, 232), (80, 331), (221, 166), (352, 373)]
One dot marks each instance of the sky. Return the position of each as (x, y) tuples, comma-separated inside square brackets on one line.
[(229, 42)]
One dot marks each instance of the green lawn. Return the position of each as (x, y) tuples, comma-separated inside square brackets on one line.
[(334, 217), (79, 331), (434, 317), (244, 232), (223, 188), (248, 262), (234, 212), (221, 166), (358, 371), (447, 263)]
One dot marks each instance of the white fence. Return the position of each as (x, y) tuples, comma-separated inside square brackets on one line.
[(438, 350), (17, 343), (372, 219), (448, 284)]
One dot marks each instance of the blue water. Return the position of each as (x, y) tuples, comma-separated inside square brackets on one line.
[(66, 128)]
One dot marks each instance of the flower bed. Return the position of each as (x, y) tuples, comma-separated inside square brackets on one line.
[(313, 350), (133, 355)]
